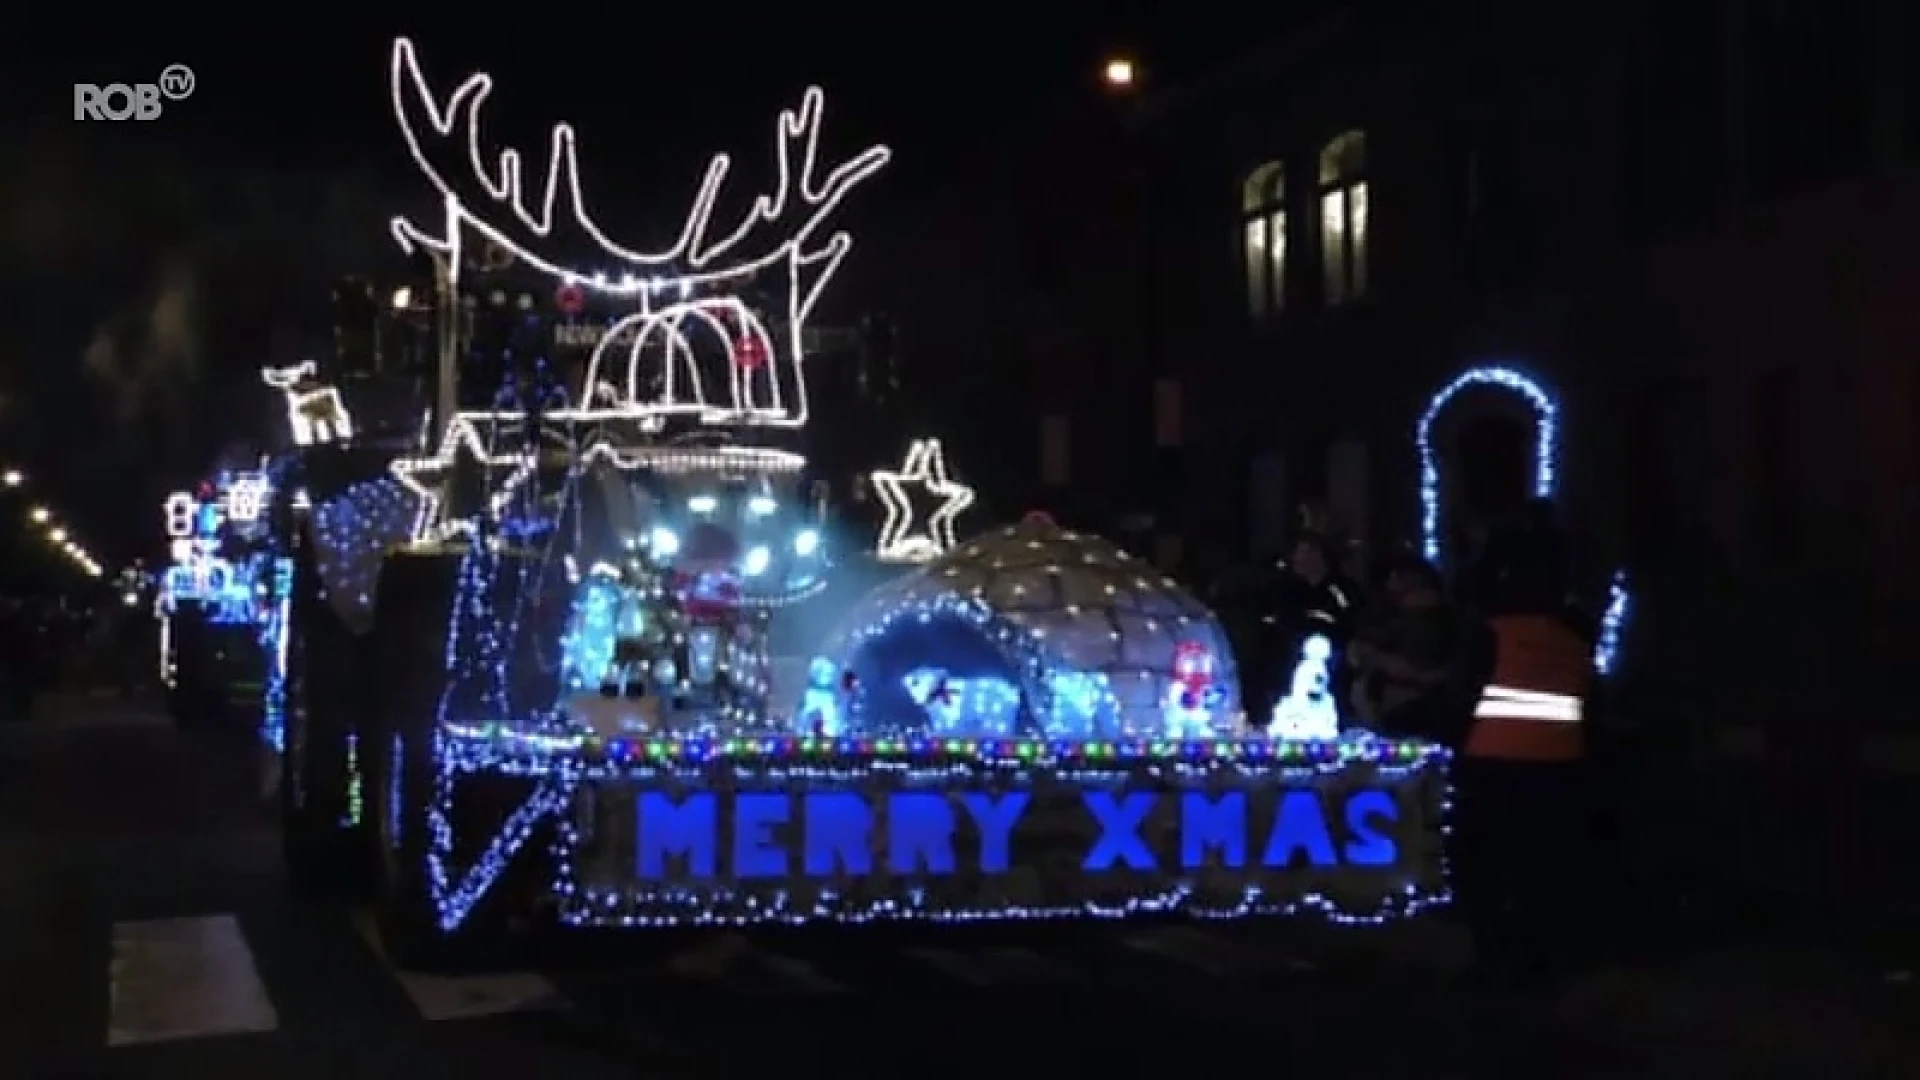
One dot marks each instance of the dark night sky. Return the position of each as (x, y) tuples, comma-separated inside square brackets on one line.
[(144, 266)]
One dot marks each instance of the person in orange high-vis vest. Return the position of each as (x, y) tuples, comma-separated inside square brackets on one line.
[(1531, 708), (1520, 807)]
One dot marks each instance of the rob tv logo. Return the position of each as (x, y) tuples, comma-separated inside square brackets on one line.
[(132, 101)]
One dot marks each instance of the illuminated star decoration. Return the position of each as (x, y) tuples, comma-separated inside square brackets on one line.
[(925, 466), (430, 524)]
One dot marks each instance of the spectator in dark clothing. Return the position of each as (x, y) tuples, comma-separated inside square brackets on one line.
[(1269, 607), (1322, 594), (1248, 599), (1419, 660), (1320, 600)]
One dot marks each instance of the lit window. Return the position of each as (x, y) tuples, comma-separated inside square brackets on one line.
[(1264, 230), (1343, 216)]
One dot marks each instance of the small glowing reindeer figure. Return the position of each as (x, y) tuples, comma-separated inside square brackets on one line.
[(679, 289), (315, 413)]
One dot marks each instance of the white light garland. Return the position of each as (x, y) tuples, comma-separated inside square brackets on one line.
[(925, 466), (679, 460), (472, 181), (1546, 419)]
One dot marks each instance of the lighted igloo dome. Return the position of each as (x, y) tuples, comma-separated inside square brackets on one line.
[(1028, 630)]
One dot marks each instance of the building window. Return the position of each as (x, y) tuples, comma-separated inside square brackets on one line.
[(1263, 204), (1343, 216)]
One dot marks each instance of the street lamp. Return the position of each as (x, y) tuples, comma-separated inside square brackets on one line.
[(1120, 74), (59, 536), (402, 298), (40, 515), (13, 478)]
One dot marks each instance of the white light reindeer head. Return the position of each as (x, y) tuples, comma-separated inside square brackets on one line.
[(485, 192), (315, 413)]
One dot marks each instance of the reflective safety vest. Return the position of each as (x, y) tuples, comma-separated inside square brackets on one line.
[(1531, 710)]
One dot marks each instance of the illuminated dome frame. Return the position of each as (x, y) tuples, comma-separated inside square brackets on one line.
[(1056, 602)]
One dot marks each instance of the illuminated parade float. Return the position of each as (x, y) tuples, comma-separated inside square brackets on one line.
[(567, 706), (223, 602), (265, 607), (347, 512)]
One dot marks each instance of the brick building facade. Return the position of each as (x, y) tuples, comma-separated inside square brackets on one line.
[(1695, 222)]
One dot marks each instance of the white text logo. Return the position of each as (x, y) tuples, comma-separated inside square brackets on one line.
[(132, 101)]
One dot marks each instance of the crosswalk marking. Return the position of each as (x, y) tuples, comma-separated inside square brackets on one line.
[(465, 997), (711, 959), (958, 965), (193, 978), (726, 957), (184, 979), (801, 974), (988, 967), (1191, 947)]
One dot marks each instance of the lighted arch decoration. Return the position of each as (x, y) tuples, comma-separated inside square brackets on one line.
[(1546, 441)]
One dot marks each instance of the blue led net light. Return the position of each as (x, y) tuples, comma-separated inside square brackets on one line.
[(353, 531)]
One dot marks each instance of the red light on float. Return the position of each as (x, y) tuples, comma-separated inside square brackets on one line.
[(750, 353)]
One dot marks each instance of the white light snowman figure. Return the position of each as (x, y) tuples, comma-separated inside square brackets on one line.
[(1187, 709), (822, 712), (1309, 711)]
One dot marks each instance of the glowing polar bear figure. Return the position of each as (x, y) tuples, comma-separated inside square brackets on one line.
[(984, 705), (1308, 711)]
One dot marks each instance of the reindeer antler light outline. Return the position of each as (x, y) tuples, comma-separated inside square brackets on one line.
[(757, 398), (502, 181)]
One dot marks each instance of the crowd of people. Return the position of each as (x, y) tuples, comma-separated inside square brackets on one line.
[(49, 646), (1495, 665)]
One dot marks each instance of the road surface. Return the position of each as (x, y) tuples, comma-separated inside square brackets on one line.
[(146, 931)]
